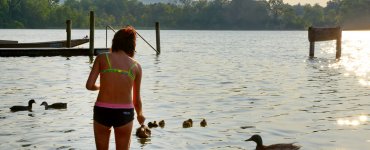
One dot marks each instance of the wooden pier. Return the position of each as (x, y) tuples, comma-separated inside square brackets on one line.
[(37, 52), (66, 50)]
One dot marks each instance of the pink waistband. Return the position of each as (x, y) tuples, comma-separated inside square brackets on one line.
[(110, 105)]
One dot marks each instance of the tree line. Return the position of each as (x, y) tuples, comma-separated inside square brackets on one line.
[(186, 14)]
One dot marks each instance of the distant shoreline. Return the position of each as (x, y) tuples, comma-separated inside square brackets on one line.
[(182, 29)]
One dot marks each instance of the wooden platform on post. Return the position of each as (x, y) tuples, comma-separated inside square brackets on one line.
[(325, 34)]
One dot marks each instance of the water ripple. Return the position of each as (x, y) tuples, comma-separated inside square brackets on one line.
[(242, 82)]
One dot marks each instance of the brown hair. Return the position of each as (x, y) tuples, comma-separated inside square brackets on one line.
[(125, 40)]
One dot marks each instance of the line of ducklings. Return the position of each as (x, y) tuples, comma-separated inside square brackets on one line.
[(154, 124), (32, 101), (145, 132), (189, 123)]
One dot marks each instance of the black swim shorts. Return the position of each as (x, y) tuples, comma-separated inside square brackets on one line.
[(115, 117)]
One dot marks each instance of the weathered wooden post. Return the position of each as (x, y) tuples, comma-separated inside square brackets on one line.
[(325, 34), (92, 28), (68, 22), (339, 44), (106, 36), (158, 42), (312, 49)]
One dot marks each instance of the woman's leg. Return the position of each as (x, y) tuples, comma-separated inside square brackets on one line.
[(123, 136), (102, 134)]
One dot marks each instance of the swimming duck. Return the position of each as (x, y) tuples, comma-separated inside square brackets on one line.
[(23, 108), (161, 123), (54, 106), (152, 125), (143, 132), (187, 123), (203, 123), (286, 146)]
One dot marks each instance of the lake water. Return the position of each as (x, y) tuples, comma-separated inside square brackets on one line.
[(241, 82)]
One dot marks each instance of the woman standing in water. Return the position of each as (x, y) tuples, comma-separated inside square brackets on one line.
[(119, 91)]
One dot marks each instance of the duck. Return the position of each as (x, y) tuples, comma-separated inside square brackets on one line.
[(286, 146), (152, 124), (203, 123), (161, 123), (143, 132), (54, 106), (187, 123), (23, 108)]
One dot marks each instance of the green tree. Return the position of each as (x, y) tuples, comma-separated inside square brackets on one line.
[(276, 10), (187, 14), (35, 13), (4, 13), (313, 15), (355, 14), (241, 14), (290, 19)]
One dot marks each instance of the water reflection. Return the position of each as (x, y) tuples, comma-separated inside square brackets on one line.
[(241, 86), (356, 55), (362, 119), (144, 141)]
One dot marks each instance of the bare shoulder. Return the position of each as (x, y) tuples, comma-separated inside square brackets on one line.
[(137, 64), (134, 61), (100, 56)]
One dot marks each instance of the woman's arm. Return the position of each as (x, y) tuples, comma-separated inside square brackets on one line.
[(90, 83), (136, 95)]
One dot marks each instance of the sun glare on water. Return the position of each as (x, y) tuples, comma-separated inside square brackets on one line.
[(356, 55), (356, 121)]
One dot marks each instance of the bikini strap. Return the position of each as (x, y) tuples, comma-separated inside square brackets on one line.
[(106, 55), (130, 73), (133, 65)]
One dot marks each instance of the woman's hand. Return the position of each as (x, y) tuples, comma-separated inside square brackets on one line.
[(140, 119)]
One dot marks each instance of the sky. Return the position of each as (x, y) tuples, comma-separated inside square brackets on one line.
[(320, 2)]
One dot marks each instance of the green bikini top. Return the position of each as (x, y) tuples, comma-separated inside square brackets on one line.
[(129, 72)]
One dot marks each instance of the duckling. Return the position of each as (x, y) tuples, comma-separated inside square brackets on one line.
[(161, 123), (143, 132), (203, 123), (286, 146), (187, 123), (152, 125), (23, 108), (54, 106)]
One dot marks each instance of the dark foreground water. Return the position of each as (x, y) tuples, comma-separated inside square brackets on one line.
[(242, 82)]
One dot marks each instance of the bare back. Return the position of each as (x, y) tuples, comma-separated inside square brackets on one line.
[(117, 77)]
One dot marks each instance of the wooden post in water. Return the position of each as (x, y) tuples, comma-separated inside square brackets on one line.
[(325, 34), (92, 28), (69, 23), (157, 36), (339, 44), (312, 49)]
